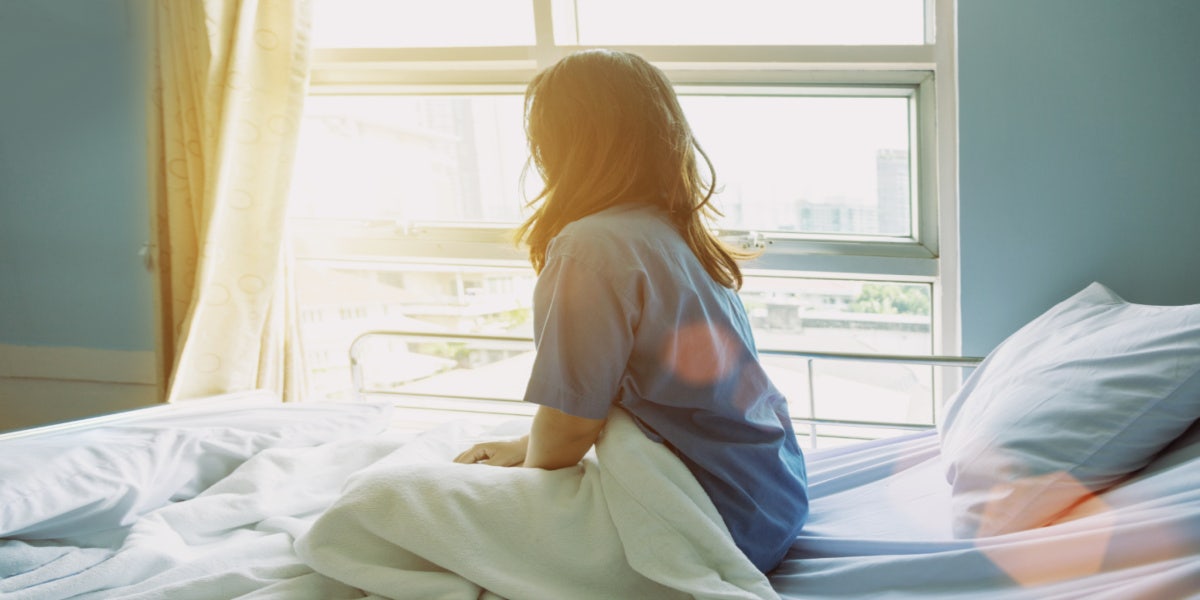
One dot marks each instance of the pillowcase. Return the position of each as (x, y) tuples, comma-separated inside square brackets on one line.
[(1075, 400), (79, 482)]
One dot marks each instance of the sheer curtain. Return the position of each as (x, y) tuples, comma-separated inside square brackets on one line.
[(229, 83)]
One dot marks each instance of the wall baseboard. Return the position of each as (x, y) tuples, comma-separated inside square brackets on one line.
[(78, 364), (41, 385)]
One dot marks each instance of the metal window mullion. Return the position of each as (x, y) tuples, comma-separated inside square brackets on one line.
[(765, 77), (545, 52), (931, 21), (888, 64), (812, 404), (777, 84), (944, 153), (924, 188), (911, 57), (363, 58), (870, 267), (915, 57)]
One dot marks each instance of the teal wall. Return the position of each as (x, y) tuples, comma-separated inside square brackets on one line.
[(1079, 155), (73, 198)]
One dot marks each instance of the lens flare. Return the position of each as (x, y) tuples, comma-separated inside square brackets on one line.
[(701, 354)]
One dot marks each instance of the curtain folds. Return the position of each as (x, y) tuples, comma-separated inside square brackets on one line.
[(230, 78)]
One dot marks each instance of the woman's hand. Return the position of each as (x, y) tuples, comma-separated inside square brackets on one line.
[(509, 453)]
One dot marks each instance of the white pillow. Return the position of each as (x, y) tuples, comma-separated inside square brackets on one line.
[(1075, 400), (68, 484)]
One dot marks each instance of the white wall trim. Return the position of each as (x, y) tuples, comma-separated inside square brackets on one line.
[(947, 289), (78, 364)]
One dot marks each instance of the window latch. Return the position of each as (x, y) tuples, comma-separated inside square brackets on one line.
[(754, 240), (408, 228)]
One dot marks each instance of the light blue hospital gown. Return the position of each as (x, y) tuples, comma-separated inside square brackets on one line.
[(624, 313)]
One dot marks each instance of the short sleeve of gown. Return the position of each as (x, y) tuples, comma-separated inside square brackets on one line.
[(584, 331)]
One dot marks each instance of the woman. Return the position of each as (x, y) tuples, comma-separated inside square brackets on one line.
[(636, 304)]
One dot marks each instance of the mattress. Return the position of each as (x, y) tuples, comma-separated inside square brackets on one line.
[(208, 500)]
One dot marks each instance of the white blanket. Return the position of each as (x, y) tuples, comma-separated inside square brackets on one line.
[(630, 523), (233, 540), (645, 527)]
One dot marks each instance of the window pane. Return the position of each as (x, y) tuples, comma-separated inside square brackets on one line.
[(745, 22), (833, 315), (808, 164), (784, 163), (338, 303), (421, 23), (411, 158), (823, 315)]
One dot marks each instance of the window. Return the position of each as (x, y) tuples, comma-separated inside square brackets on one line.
[(746, 22), (830, 124)]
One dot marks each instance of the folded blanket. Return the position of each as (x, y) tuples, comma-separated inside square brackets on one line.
[(630, 523)]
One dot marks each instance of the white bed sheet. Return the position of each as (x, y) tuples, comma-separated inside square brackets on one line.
[(879, 528)]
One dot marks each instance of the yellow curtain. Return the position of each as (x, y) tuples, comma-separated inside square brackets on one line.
[(230, 79)]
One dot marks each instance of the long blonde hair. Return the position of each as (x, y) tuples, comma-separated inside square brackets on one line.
[(605, 128)]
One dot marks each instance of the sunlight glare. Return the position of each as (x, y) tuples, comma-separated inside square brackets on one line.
[(421, 23), (746, 22)]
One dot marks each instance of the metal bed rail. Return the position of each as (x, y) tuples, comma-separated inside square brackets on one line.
[(119, 418), (126, 417), (511, 406)]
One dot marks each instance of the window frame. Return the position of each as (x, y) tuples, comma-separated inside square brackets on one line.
[(925, 73)]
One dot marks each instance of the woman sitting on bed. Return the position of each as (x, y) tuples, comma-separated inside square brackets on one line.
[(636, 303)]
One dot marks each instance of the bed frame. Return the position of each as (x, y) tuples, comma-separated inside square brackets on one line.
[(515, 407)]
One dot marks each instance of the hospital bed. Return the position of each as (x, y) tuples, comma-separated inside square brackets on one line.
[(207, 499)]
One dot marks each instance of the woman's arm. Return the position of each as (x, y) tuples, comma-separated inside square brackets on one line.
[(559, 440), (556, 440)]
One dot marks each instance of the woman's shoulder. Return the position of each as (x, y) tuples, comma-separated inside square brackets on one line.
[(620, 239), (622, 225)]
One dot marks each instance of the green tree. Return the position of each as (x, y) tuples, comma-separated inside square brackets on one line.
[(890, 299)]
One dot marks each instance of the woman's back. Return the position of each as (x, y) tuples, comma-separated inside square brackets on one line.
[(625, 313)]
